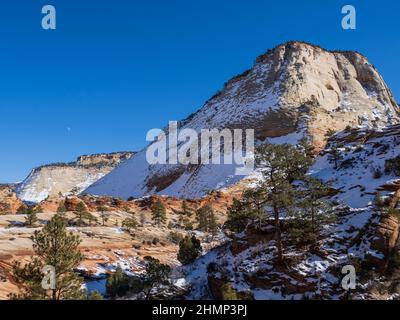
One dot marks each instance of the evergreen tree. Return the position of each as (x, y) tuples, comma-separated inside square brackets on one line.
[(201, 217), (83, 214), (312, 210), (103, 214), (212, 223), (239, 216), (31, 218), (335, 156), (254, 202), (118, 283), (281, 166), (189, 249), (206, 219), (55, 247), (185, 209), (156, 274), (159, 213), (130, 223)]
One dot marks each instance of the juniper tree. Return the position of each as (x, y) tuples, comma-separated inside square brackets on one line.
[(159, 215), (55, 247)]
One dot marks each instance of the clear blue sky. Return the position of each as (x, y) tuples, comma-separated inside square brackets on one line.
[(115, 69)]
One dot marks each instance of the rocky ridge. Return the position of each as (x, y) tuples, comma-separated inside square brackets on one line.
[(294, 90)]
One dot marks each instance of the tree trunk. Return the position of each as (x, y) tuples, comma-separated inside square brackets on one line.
[(278, 236)]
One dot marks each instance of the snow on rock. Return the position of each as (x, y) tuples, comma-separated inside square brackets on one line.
[(293, 90)]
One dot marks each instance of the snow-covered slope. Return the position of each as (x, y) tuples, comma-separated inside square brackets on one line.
[(293, 90), (360, 236), (69, 178), (361, 164)]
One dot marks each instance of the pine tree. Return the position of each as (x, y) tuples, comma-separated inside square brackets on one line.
[(212, 223), (55, 247), (189, 249), (103, 214), (185, 209), (83, 214), (335, 156), (118, 283), (206, 219), (201, 217), (31, 218), (254, 201), (313, 209), (239, 216), (159, 213), (281, 166), (156, 274)]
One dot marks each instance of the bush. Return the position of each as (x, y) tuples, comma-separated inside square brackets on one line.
[(392, 166), (377, 174), (189, 250)]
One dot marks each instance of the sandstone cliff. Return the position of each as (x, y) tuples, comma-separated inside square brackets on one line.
[(293, 90), (68, 178)]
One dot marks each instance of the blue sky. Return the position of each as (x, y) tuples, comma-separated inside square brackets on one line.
[(115, 69)]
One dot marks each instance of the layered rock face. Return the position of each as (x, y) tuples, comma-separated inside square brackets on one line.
[(9, 203), (294, 90), (68, 178)]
